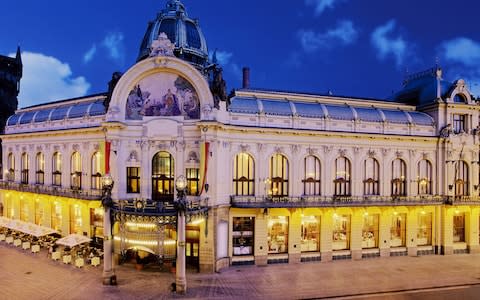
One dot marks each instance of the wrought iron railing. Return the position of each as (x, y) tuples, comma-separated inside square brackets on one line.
[(195, 205), (314, 201), (52, 190), (463, 200)]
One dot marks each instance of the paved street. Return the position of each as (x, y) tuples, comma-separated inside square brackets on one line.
[(33, 276)]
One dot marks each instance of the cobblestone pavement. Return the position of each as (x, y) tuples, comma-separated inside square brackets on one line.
[(24, 275)]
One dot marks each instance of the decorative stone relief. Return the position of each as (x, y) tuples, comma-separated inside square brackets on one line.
[(193, 157), (96, 147), (142, 143), (162, 46), (56, 148), (425, 155), (342, 152), (244, 147), (371, 153), (206, 110), (39, 148), (295, 148), (278, 149), (327, 149), (180, 146), (76, 147), (399, 154), (356, 149), (260, 147), (24, 148), (311, 151), (412, 152), (133, 156), (227, 145), (385, 151), (173, 144)]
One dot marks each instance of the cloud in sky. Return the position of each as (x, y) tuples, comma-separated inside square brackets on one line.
[(88, 56), (387, 46), (46, 78), (321, 5), (462, 56), (344, 34), (113, 43)]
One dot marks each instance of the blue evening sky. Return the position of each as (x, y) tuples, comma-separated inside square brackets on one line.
[(349, 47)]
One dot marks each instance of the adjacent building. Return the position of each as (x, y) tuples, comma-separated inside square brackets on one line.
[(272, 177)]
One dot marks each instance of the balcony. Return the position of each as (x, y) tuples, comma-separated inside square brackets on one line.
[(459, 200), (148, 207), (52, 190), (332, 201)]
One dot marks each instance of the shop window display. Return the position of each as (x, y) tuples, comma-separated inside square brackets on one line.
[(398, 230), (424, 235), (310, 233), (278, 234), (341, 232), (243, 228), (370, 231)]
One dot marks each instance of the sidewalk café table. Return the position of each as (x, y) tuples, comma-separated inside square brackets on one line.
[(35, 248), (17, 242), (56, 255), (26, 245), (9, 239), (95, 261), (67, 259), (79, 262)]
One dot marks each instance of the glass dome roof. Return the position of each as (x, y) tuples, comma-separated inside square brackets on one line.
[(184, 32)]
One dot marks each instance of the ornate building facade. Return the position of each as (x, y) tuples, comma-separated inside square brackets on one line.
[(274, 177)]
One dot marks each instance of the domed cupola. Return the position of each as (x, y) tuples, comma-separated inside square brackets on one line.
[(182, 31)]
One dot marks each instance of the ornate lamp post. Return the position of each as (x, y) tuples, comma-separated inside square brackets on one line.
[(108, 276), (181, 207)]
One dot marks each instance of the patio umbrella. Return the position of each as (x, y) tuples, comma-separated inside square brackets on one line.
[(73, 240)]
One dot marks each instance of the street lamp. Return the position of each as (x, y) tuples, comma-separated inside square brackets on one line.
[(181, 207), (108, 276)]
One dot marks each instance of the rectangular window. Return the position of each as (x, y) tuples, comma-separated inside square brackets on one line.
[(56, 216), (193, 182), (96, 221), (370, 231), (242, 234), (459, 124), (459, 228), (39, 213), (398, 230), (278, 234), (424, 235), (24, 210), (310, 234), (341, 232), (133, 180), (76, 219)]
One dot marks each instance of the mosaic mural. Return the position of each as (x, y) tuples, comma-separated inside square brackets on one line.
[(163, 94)]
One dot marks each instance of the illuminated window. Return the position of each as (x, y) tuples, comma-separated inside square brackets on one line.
[(277, 234), (459, 123), (399, 180), (243, 235), (39, 212), (424, 177), (310, 234), (311, 179), (459, 228), (342, 179), (76, 219), (371, 177), (56, 216), (163, 176), (133, 180), (193, 179), (96, 171), (11, 167), (398, 230), (461, 179), (57, 169), (76, 171), (244, 175), (40, 168), (370, 231), (24, 167), (24, 210), (341, 232), (278, 176), (424, 235)]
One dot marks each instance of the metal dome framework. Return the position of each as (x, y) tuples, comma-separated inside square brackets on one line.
[(184, 32)]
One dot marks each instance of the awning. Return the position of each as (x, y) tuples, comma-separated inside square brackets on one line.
[(73, 240), (25, 227)]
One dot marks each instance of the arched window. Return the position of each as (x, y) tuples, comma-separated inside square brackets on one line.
[(96, 170), (57, 169), (459, 98), (244, 175), (312, 177), (24, 168), (461, 179), (163, 176), (278, 176), (76, 171), (399, 179), (39, 168), (424, 177), (11, 167), (371, 177), (342, 179)]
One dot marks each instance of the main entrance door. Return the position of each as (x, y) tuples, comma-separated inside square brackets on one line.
[(192, 246)]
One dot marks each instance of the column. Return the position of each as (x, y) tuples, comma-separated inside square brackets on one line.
[(108, 275), (181, 280)]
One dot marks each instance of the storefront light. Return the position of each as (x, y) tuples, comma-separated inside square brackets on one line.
[(196, 222), (145, 242), (140, 225)]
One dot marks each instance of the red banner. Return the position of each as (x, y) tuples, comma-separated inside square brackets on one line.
[(107, 157)]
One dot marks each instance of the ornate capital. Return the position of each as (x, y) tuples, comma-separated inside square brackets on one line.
[(244, 147), (371, 153), (399, 154)]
